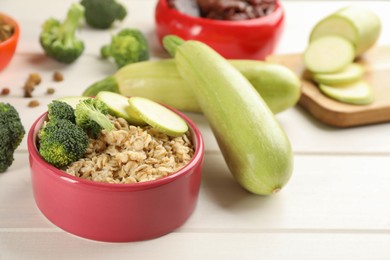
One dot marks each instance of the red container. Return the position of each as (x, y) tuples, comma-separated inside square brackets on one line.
[(8, 47), (246, 39), (115, 212)]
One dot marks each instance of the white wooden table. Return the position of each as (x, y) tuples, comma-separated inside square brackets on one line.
[(336, 206)]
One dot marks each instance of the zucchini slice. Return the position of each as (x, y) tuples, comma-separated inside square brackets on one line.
[(351, 73), (329, 54), (357, 93), (118, 105), (158, 116)]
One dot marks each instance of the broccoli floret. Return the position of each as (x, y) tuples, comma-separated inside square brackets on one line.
[(128, 46), (61, 142), (61, 110), (102, 14), (11, 134), (59, 40), (6, 150), (91, 115)]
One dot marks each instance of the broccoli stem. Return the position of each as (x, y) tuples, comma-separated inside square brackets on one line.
[(103, 121), (98, 117), (69, 26)]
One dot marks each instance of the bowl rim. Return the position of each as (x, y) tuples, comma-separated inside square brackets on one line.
[(265, 20), (62, 176), (14, 37)]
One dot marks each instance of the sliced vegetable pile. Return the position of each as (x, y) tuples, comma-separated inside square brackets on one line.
[(73, 120), (335, 43), (254, 145)]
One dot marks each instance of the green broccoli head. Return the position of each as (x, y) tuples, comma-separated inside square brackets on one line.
[(59, 40), (91, 115), (6, 150), (61, 142), (9, 118), (61, 110), (128, 46), (102, 14), (11, 134)]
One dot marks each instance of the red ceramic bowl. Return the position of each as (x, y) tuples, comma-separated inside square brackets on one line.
[(115, 212), (8, 47), (248, 39)]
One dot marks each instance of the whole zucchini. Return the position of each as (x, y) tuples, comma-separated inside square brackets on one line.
[(160, 81), (254, 145)]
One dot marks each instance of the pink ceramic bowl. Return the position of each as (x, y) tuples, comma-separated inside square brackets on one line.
[(8, 47), (115, 212), (246, 39)]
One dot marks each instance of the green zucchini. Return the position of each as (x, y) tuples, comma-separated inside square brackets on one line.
[(161, 82), (254, 145)]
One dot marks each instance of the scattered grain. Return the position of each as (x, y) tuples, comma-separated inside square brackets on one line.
[(32, 81), (57, 76), (35, 78), (50, 91), (5, 91), (33, 103)]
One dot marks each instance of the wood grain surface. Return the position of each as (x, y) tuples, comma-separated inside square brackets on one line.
[(332, 112)]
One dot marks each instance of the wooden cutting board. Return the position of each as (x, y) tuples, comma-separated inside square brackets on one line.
[(331, 112)]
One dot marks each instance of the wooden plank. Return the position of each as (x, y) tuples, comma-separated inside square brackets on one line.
[(326, 192), (199, 245), (332, 112), (310, 136)]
